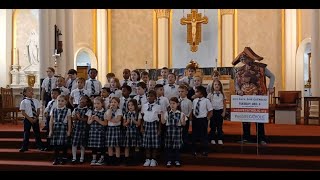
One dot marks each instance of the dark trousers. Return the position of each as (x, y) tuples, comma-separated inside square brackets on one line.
[(185, 135), (216, 122), (57, 150), (26, 133), (200, 132), (259, 128), (47, 131), (47, 98), (172, 154)]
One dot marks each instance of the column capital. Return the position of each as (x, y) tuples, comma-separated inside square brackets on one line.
[(162, 13), (227, 11)]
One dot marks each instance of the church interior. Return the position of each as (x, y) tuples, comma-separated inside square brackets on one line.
[(111, 40)]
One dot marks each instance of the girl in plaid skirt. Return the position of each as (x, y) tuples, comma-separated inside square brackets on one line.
[(60, 129), (174, 120), (151, 130), (132, 121), (113, 135), (97, 131), (80, 118)]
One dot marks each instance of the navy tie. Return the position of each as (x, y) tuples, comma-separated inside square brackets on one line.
[(33, 107), (93, 90), (70, 85), (197, 108), (49, 86)]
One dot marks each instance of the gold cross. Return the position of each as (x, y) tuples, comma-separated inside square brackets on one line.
[(193, 22)]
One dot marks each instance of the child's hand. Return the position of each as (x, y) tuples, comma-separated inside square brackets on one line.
[(159, 132), (142, 130), (223, 114), (50, 134), (68, 133), (78, 116)]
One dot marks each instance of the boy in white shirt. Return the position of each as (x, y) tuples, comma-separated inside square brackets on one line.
[(171, 89), (92, 85), (164, 74)]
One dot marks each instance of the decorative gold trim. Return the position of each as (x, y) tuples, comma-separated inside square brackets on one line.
[(155, 40), (283, 20), (14, 32), (163, 13), (298, 27), (227, 11), (235, 33), (109, 40), (94, 29), (219, 38), (170, 40)]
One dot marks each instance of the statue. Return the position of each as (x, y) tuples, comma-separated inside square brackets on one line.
[(33, 49), (194, 21)]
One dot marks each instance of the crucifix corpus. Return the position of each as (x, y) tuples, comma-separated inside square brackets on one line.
[(193, 22)]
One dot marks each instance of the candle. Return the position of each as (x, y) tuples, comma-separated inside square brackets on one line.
[(18, 56), (14, 56)]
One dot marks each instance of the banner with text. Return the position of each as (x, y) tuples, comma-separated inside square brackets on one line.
[(250, 108)]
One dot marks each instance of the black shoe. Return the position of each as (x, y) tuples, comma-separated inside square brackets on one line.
[(205, 154), (55, 162), (42, 149), (23, 150), (194, 153), (74, 161), (63, 161)]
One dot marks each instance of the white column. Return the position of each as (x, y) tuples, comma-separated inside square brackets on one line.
[(227, 36), (163, 37), (315, 56), (44, 53), (102, 44), (290, 48), (5, 46), (62, 62), (69, 39)]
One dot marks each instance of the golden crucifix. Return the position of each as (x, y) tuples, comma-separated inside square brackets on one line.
[(193, 22)]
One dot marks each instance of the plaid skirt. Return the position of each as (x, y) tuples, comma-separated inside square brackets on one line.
[(113, 136), (151, 138), (79, 137), (173, 138), (132, 137), (97, 138), (59, 135)]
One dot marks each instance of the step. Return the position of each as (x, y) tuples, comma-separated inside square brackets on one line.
[(227, 147), (292, 139), (46, 165), (213, 159)]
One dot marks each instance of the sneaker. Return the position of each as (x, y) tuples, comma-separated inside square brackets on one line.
[(220, 142), (63, 161), (153, 163), (213, 142), (100, 162), (263, 142), (244, 141), (81, 161), (169, 164), (147, 163), (177, 163), (93, 162), (73, 161)]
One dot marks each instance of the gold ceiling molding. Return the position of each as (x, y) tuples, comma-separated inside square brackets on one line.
[(163, 13), (226, 11)]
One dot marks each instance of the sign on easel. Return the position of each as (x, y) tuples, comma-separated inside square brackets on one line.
[(250, 108)]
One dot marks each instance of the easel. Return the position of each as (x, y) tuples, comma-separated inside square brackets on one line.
[(257, 135)]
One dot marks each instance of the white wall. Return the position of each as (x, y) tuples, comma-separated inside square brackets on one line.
[(5, 46), (208, 47)]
